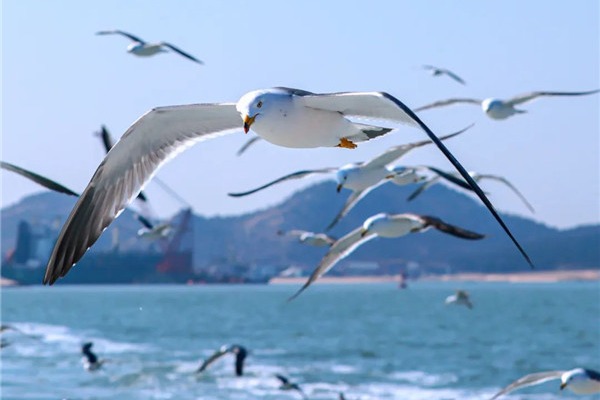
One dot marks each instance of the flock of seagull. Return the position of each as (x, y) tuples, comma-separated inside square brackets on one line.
[(292, 118), (578, 380)]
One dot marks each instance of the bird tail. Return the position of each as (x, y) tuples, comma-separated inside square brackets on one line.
[(367, 132)]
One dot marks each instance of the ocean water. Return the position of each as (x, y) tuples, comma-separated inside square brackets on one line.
[(368, 341)]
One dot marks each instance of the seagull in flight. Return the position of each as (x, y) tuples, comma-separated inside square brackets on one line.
[(502, 109), (436, 71), (286, 384), (309, 238), (91, 362), (386, 226), (286, 117), (141, 48), (578, 380), (477, 177), (240, 355), (460, 298), (363, 177)]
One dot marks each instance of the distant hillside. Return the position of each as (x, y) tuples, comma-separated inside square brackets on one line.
[(251, 239)]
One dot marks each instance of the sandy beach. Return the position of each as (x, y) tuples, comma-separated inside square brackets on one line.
[(518, 277)]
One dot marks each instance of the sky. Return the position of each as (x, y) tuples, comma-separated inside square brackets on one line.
[(61, 82)]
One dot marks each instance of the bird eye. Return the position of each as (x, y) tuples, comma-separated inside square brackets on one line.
[(259, 105)]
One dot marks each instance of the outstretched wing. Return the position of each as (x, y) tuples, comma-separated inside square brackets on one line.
[(339, 250), (383, 106), (283, 379), (454, 76), (424, 186), (394, 153), (214, 357), (522, 98), (40, 180), (352, 200), (450, 229), (181, 52), (122, 33), (151, 141), (447, 102), (529, 380), (511, 186), (293, 175)]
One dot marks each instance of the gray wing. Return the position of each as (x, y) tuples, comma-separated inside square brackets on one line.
[(247, 145), (447, 102), (181, 52), (450, 229), (352, 200), (511, 186), (40, 180), (151, 141), (383, 106), (214, 357), (339, 250), (529, 380), (294, 175), (454, 76), (123, 33), (108, 143), (394, 153), (522, 98)]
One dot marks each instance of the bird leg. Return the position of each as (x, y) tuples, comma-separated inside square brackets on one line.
[(346, 144)]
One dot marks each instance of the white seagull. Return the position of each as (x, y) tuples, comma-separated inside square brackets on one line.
[(363, 177), (386, 226), (140, 48), (477, 177), (578, 380), (502, 109), (286, 117), (460, 298), (309, 238), (435, 71)]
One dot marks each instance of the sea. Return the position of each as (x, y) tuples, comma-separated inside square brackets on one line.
[(367, 341)]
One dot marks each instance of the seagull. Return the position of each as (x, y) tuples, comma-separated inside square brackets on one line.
[(382, 225), (287, 385), (578, 380), (435, 71), (460, 298), (501, 109), (151, 231), (287, 117), (45, 182), (477, 177), (363, 177), (309, 238), (90, 360), (240, 354), (140, 48)]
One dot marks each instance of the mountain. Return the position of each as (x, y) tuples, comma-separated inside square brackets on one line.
[(251, 239)]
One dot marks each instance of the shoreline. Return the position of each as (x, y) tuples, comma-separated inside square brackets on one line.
[(514, 277)]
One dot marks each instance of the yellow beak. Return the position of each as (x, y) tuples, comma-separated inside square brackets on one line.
[(248, 121), (562, 386), (363, 232)]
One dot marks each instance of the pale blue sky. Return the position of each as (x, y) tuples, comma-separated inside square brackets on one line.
[(60, 82)]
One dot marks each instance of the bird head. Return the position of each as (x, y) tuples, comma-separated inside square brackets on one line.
[(572, 376), (254, 105)]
